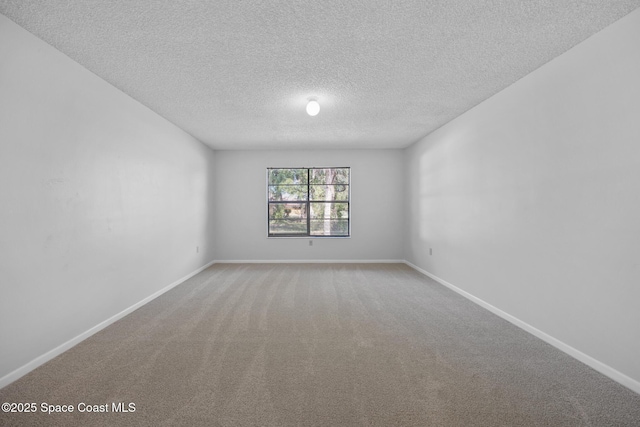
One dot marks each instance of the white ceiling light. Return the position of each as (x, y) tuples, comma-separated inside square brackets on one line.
[(313, 108)]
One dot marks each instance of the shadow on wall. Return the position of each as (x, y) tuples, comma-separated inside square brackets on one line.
[(209, 190)]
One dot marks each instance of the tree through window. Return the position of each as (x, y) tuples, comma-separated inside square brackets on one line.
[(308, 202)]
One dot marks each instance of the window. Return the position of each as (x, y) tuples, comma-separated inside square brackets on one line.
[(308, 202)]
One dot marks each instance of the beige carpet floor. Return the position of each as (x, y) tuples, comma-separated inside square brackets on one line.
[(318, 345)]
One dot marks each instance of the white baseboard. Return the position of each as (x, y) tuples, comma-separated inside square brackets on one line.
[(310, 261), (603, 368), (40, 360)]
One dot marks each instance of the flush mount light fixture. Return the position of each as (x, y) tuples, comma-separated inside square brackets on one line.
[(313, 108)]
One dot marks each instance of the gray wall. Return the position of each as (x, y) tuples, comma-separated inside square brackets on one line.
[(531, 201), (376, 206), (102, 202)]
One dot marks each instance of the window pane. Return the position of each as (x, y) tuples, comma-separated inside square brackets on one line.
[(339, 227), (288, 218), (288, 176), (288, 226), (287, 192), (329, 192), (338, 210), (282, 211), (329, 176)]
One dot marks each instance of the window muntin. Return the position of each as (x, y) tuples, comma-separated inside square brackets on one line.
[(308, 202)]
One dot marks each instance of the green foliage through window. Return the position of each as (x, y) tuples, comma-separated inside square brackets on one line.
[(308, 202)]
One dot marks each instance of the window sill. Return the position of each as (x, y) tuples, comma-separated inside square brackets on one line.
[(308, 237)]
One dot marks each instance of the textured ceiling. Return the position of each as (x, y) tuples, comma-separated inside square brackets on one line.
[(237, 74)]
